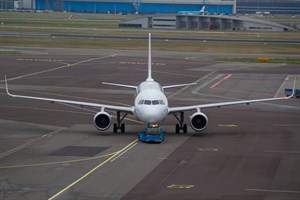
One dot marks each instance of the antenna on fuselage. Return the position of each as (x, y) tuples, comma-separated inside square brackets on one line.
[(149, 78)]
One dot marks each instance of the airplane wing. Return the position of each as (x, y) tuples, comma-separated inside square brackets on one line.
[(210, 105), (78, 103)]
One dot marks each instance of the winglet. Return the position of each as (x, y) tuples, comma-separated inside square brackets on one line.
[(6, 87), (294, 89)]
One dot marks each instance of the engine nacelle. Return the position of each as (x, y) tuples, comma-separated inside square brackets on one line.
[(102, 121), (199, 121)]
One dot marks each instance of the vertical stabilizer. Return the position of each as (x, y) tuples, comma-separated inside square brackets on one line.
[(149, 78), (202, 9)]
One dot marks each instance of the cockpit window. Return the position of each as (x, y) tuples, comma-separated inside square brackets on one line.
[(141, 102), (147, 102), (161, 102), (155, 102)]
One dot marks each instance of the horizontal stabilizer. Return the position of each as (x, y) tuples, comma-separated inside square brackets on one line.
[(120, 85), (180, 85)]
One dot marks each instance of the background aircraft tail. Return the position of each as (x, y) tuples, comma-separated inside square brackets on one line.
[(202, 9)]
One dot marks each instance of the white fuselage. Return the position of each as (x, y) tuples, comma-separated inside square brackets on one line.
[(151, 104)]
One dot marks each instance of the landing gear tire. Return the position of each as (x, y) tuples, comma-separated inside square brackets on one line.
[(115, 128), (119, 126), (177, 128), (183, 128), (122, 128), (181, 125)]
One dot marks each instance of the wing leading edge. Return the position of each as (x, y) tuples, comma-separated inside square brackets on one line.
[(210, 105), (78, 103)]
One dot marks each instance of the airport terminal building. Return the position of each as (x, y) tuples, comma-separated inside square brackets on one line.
[(289, 7), (203, 22), (131, 6)]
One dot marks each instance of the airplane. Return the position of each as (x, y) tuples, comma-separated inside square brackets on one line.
[(150, 105), (200, 12)]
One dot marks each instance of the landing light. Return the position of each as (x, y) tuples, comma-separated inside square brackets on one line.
[(154, 125)]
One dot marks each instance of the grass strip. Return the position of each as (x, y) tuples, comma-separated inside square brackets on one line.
[(109, 28), (59, 23), (186, 46), (272, 60)]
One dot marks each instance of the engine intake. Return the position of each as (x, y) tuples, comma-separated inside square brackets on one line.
[(199, 121), (102, 121)]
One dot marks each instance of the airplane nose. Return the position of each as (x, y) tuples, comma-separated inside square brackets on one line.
[(154, 116)]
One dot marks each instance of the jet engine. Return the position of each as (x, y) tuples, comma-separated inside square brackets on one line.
[(198, 121), (102, 121)]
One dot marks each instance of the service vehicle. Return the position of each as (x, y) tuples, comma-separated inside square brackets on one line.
[(152, 135)]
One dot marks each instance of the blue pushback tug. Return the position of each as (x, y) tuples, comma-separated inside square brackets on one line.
[(152, 135)]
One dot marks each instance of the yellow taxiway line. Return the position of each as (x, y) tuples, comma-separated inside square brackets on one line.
[(56, 163), (94, 169)]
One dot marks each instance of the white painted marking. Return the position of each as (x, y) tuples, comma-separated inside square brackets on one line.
[(196, 91), (23, 146), (177, 186), (209, 149), (92, 170), (228, 125), (221, 81), (289, 152), (274, 191), (123, 153)]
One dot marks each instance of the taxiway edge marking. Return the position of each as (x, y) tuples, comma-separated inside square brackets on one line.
[(23, 146), (57, 68), (197, 81), (94, 169), (221, 81), (274, 191)]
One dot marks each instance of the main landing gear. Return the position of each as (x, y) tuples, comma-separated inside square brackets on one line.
[(181, 126), (119, 125)]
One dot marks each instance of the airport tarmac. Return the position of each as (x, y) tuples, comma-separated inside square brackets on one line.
[(51, 151)]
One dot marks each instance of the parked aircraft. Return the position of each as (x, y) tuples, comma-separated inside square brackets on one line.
[(200, 12), (150, 105)]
